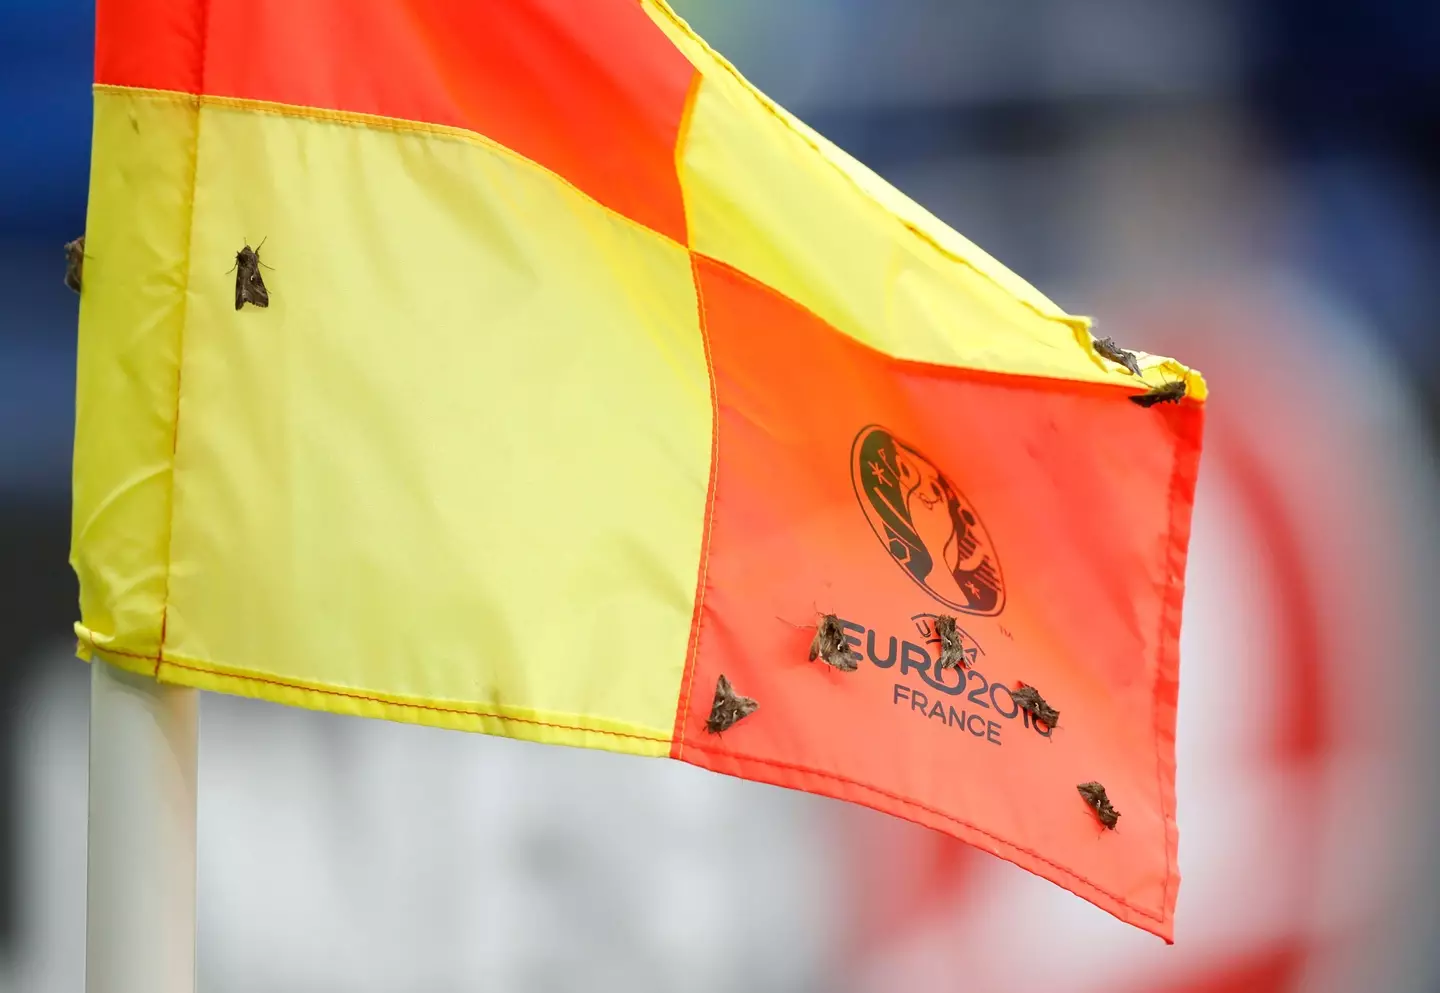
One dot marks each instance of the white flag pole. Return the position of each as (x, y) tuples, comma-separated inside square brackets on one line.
[(140, 897)]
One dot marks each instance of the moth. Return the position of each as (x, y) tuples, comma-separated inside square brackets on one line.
[(249, 286), (1028, 699), (1171, 392), (1094, 795), (829, 645), (952, 652), (74, 262), (729, 707), (1109, 350)]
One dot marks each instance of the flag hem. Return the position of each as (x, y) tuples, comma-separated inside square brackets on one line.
[(497, 721), (1165, 694), (818, 781), (702, 584)]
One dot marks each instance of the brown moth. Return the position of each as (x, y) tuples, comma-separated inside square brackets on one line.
[(249, 286), (952, 652), (1094, 795), (729, 707), (74, 262), (1109, 350), (829, 645), (1028, 699), (1171, 392)]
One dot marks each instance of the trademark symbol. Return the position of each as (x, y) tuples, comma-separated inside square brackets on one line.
[(1006, 632)]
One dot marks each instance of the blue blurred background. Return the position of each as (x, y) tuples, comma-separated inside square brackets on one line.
[(1253, 187)]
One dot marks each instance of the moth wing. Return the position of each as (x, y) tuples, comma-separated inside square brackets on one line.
[(255, 290)]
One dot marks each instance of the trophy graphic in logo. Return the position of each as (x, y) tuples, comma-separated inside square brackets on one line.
[(926, 524)]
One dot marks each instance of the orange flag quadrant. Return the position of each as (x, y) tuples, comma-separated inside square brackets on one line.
[(590, 376)]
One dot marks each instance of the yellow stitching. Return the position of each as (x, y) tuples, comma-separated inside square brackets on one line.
[(709, 522), (397, 125), (223, 672), (682, 135)]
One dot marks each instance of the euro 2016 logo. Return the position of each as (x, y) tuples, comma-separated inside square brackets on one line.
[(926, 524)]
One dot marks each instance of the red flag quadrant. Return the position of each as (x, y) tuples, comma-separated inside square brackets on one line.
[(590, 375), (1049, 519)]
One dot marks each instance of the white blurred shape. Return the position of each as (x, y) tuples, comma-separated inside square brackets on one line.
[(350, 855)]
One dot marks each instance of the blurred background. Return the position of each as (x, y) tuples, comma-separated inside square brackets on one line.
[(1253, 187)]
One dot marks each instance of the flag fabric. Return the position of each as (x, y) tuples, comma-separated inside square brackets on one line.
[(589, 375)]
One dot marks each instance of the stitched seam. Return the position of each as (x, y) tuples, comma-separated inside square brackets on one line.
[(905, 801), (1164, 645), (692, 662), (1030, 380), (180, 344), (1173, 597), (682, 136), (1159, 668), (376, 122), (348, 694)]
